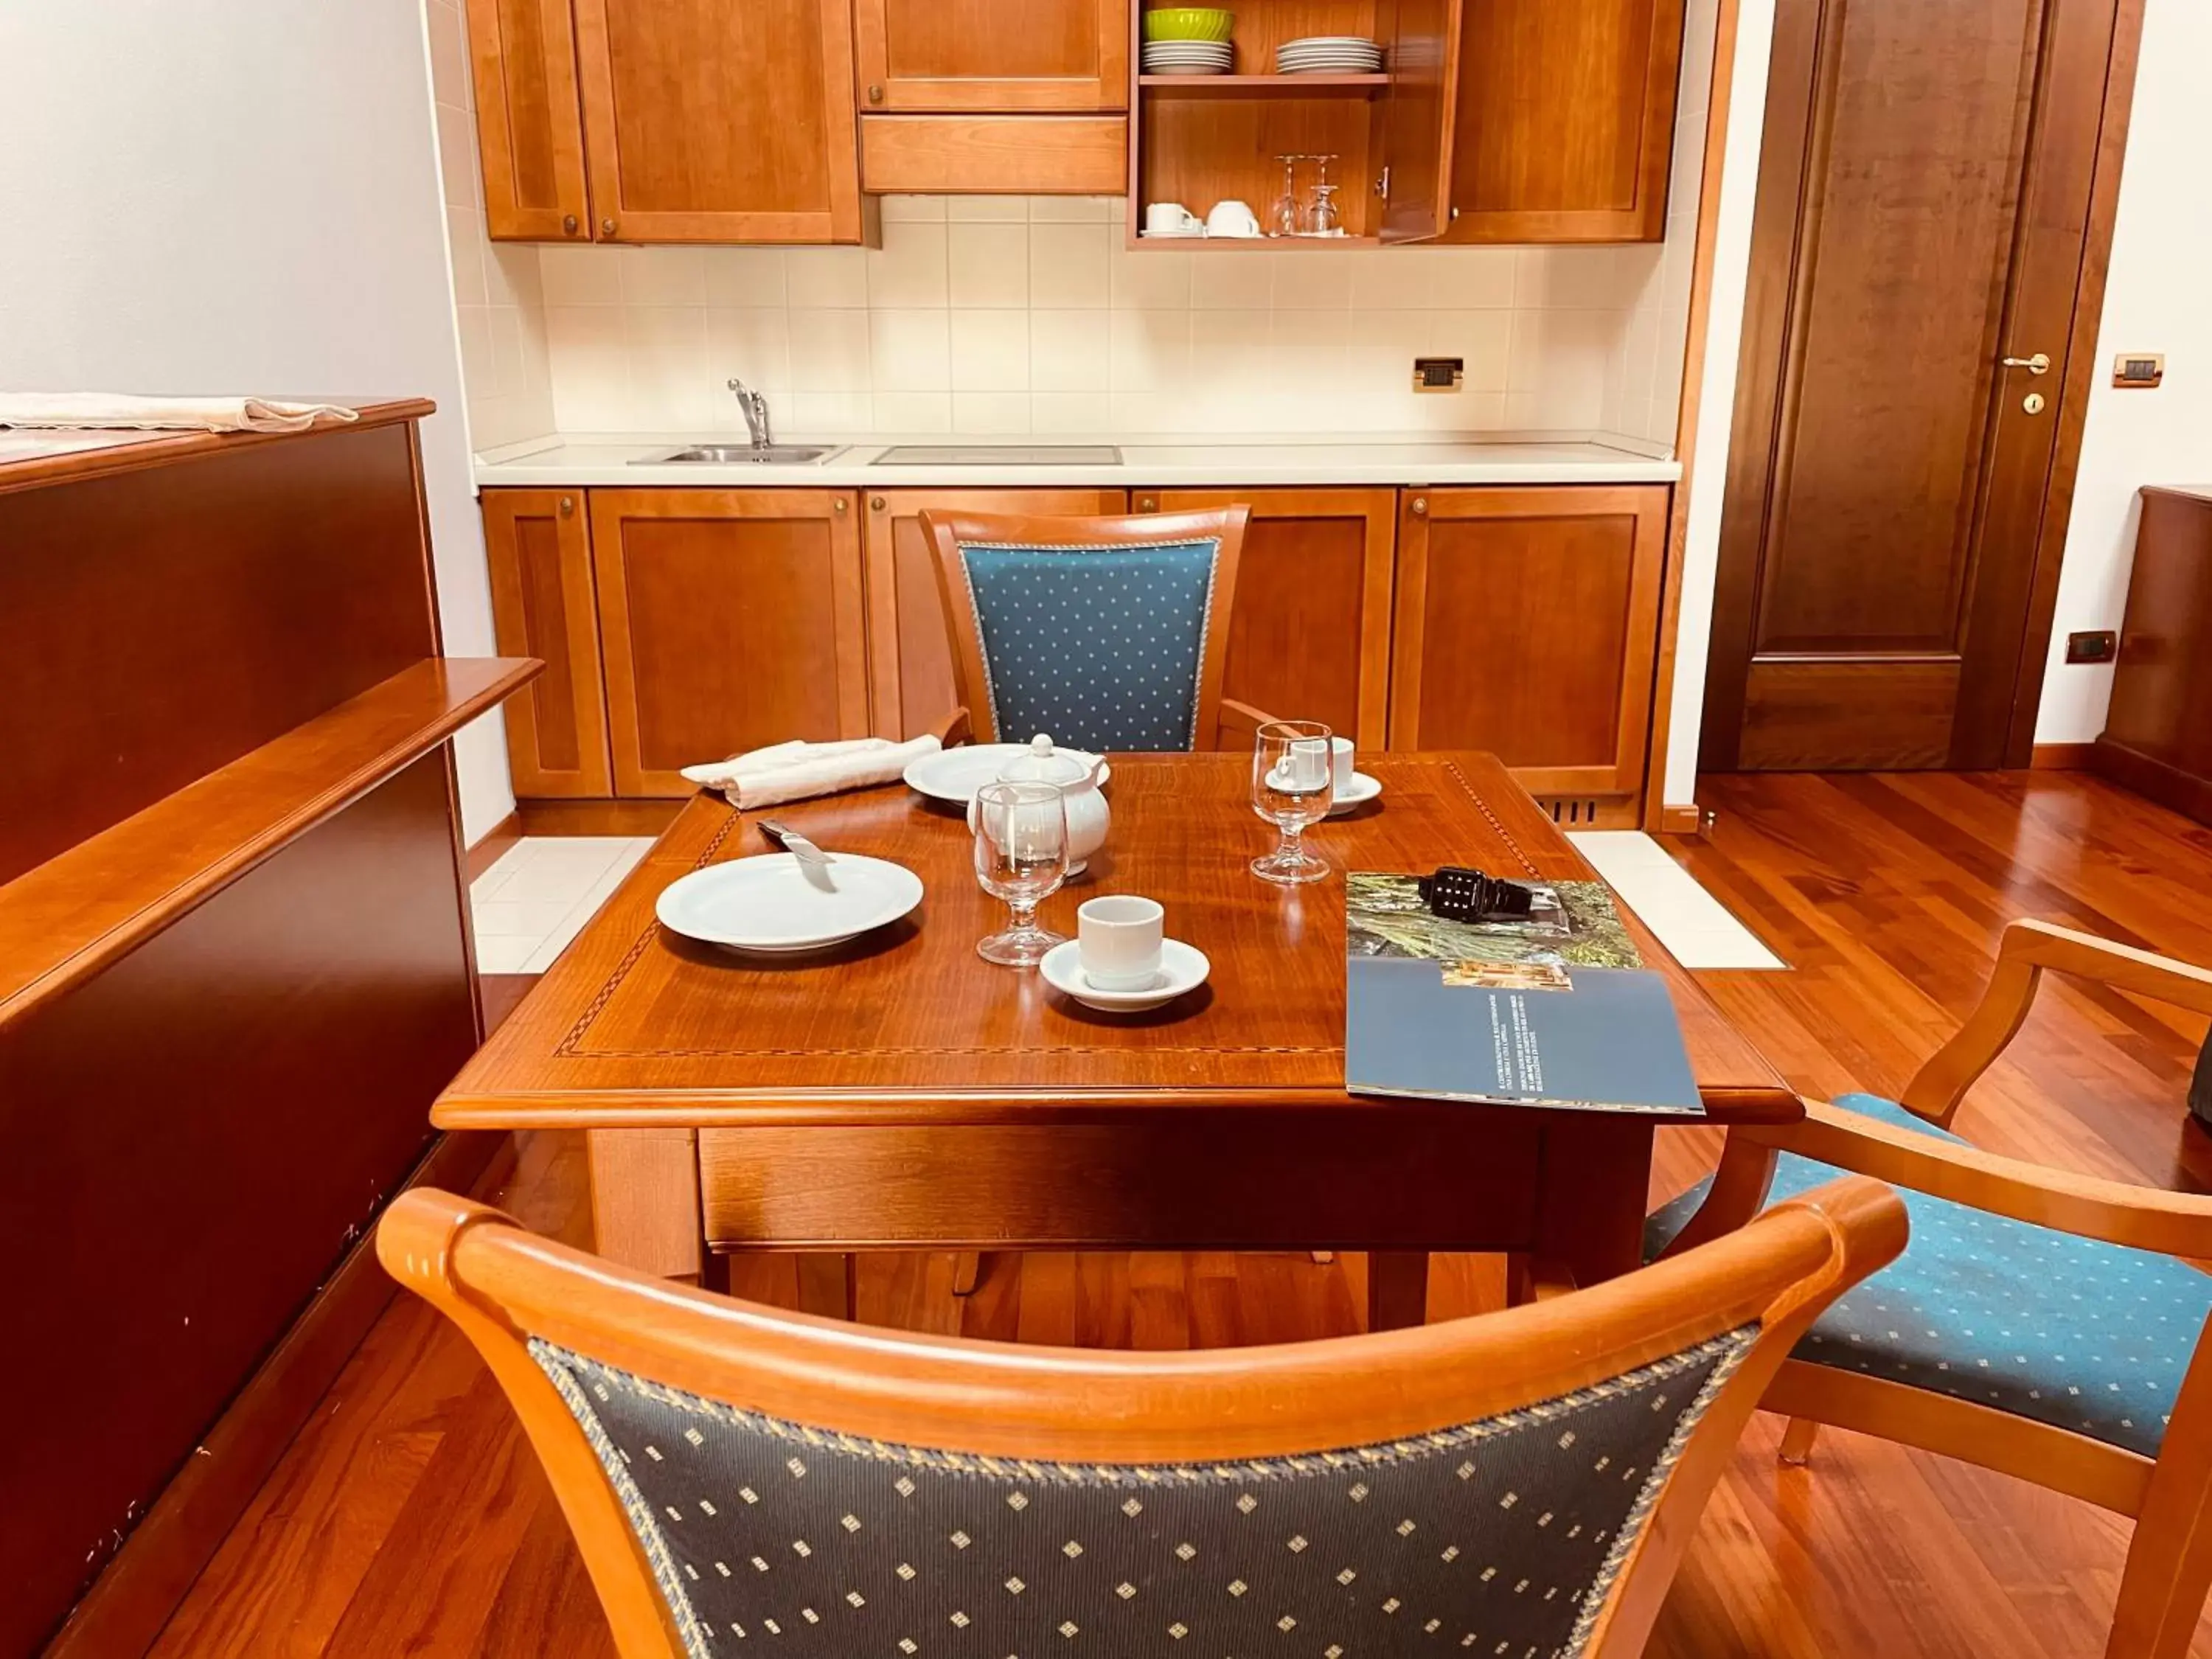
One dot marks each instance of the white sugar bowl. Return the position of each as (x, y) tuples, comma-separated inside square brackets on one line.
[(1079, 780)]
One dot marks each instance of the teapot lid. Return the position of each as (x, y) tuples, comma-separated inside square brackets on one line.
[(1043, 764)]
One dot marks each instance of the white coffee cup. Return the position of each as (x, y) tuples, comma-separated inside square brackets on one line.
[(1340, 757), (1170, 216), (1232, 218), (1118, 941)]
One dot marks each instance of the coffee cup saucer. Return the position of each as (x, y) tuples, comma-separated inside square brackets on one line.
[(1183, 969), (1361, 790)]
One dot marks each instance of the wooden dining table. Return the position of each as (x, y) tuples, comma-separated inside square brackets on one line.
[(899, 1093)]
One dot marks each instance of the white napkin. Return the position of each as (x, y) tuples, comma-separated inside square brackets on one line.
[(797, 771), (109, 409)]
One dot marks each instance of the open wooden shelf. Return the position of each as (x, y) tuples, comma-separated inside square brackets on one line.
[(1255, 243), (1263, 86), (62, 921)]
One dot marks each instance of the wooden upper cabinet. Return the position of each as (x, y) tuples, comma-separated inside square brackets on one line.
[(1310, 637), (1001, 55), (730, 619), (720, 120), (909, 644), (1528, 624), (1565, 124), (1414, 120), (529, 124), (540, 553)]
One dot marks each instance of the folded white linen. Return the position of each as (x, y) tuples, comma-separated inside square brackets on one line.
[(72, 409), (798, 771)]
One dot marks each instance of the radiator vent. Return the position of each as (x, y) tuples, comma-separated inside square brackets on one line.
[(1570, 809)]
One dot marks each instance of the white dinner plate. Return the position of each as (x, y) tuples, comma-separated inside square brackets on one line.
[(772, 902), (1361, 790), (1183, 969), (955, 774)]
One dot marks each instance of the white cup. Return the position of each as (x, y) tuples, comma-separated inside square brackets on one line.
[(1118, 941), (1232, 218), (1340, 759), (1170, 216)]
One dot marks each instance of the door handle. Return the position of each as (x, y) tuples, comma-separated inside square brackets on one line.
[(2038, 364)]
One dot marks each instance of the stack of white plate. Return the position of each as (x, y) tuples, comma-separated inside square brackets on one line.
[(1188, 56), (1328, 54)]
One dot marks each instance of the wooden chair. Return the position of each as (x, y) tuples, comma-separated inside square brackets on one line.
[(1521, 1482), (2040, 1325), (1107, 633)]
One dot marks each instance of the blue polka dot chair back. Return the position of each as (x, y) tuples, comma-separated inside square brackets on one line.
[(1109, 634), (739, 1480)]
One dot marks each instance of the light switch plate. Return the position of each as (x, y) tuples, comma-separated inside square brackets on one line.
[(2138, 370)]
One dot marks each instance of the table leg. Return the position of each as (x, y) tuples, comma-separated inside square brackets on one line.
[(1397, 1289), (1591, 1200), (645, 1200), (829, 1285)]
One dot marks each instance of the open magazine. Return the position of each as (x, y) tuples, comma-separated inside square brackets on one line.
[(1550, 1009)]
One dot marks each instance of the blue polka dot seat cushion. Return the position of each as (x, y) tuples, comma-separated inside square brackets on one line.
[(2068, 1331), (1103, 647)]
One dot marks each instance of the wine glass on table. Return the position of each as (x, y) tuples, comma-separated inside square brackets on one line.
[(1021, 856), (1293, 785)]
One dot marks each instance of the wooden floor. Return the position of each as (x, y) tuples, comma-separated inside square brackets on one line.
[(408, 1518)]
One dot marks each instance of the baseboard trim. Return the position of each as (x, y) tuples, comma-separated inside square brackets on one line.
[(1686, 820), (136, 1596), (488, 849), (2061, 757)]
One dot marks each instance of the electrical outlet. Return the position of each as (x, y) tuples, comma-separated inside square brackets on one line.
[(2138, 370), (2093, 644), (1438, 374)]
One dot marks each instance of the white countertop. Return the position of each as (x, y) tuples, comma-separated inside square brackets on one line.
[(1363, 458)]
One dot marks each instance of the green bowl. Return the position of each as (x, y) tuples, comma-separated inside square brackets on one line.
[(1189, 23)]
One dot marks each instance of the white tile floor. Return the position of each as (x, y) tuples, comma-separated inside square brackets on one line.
[(1690, 921), (538, 897)]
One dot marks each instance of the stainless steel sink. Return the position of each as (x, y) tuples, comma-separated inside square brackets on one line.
[(745, 454)]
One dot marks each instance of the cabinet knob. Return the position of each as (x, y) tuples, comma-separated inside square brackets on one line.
[(1148, 504), (606, 226), (875, 94), (876, 502), (567, 505), (838, 506), (568, 224), (1420, 507)]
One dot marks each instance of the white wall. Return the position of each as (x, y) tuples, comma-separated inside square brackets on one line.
[(242, 196), (2158, 298), (1700, 552)]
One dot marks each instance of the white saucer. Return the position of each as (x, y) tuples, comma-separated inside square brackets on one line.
[(770, 903), (1183, 968), (955, 774), (1362, 790)]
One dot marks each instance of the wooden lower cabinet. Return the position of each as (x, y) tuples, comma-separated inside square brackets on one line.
[(909, 649), (730, 619), (1527, 620), (539, 551), (1310, 638)]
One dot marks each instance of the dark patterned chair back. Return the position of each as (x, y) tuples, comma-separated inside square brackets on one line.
[(1485, 1486), (1109, 634)]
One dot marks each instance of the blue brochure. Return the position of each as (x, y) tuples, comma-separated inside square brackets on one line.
[(1550, 1010)]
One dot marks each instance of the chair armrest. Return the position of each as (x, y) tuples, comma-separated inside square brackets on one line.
[(1240, 719), (2116, 1211), (2027, 949), (954, 728)]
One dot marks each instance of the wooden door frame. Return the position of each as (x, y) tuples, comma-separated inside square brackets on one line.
[(1759, 382)]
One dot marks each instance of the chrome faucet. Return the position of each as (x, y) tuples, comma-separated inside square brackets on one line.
[(756, 409)]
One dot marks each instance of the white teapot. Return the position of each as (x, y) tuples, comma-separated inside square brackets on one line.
[(1086, 802)]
